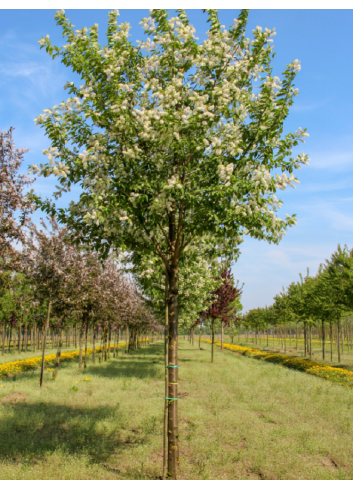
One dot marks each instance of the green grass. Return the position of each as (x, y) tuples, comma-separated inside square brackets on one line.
[(239, 419)]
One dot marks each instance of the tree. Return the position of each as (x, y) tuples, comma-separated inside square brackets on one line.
[(170, 141), (47, 260), (339, 281), (224, 304), (12, 200)]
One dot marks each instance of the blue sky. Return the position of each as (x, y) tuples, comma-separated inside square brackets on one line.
[(321, 39)]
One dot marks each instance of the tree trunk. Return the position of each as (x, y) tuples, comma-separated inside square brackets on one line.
[(348, 338), (305, 340), (44, 343), (80, 348), (105, 338), (25, 338), (200, 331), (331, 341), (323, 339), (3, 338), (86, 335), (222, 335), (173, 434), (19, 337), (114, 347), (212, 345), (166, 402), (94, 345), (58, 354), (109, 339), (338, 342)]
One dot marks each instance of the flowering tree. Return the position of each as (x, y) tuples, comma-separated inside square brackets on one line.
[(47, 260), (12, 199), (171, 140)]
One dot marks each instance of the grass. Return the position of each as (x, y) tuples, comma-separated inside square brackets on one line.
[(239, 419)]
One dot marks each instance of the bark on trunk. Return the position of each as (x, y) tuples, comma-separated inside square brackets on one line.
[(323, 339), (222, 335), (338, 342), (19, 337), (109, 340), (173, 433), (26, 337), (94, 345), (212, 345), (44, 343), (58, 354), (86, 335), (80, 347), (166, 402), (3, 338), (331, 341), (114, 348), (105, 335), (305, 340)]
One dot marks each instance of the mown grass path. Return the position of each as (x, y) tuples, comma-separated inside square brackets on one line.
[(239, 419)]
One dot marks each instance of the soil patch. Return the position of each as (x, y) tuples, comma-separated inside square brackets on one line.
[(14, 398)]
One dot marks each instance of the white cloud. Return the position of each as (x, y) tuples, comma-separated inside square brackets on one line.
[(340, 220), (325, 186), (331, 160), (299, 107), (21, 69)]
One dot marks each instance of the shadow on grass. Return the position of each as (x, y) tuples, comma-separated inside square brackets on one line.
[(141, 363), (131, 369), (32, 431)]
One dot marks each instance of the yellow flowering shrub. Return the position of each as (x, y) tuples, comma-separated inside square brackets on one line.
[(339, 375), (10, 368)]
